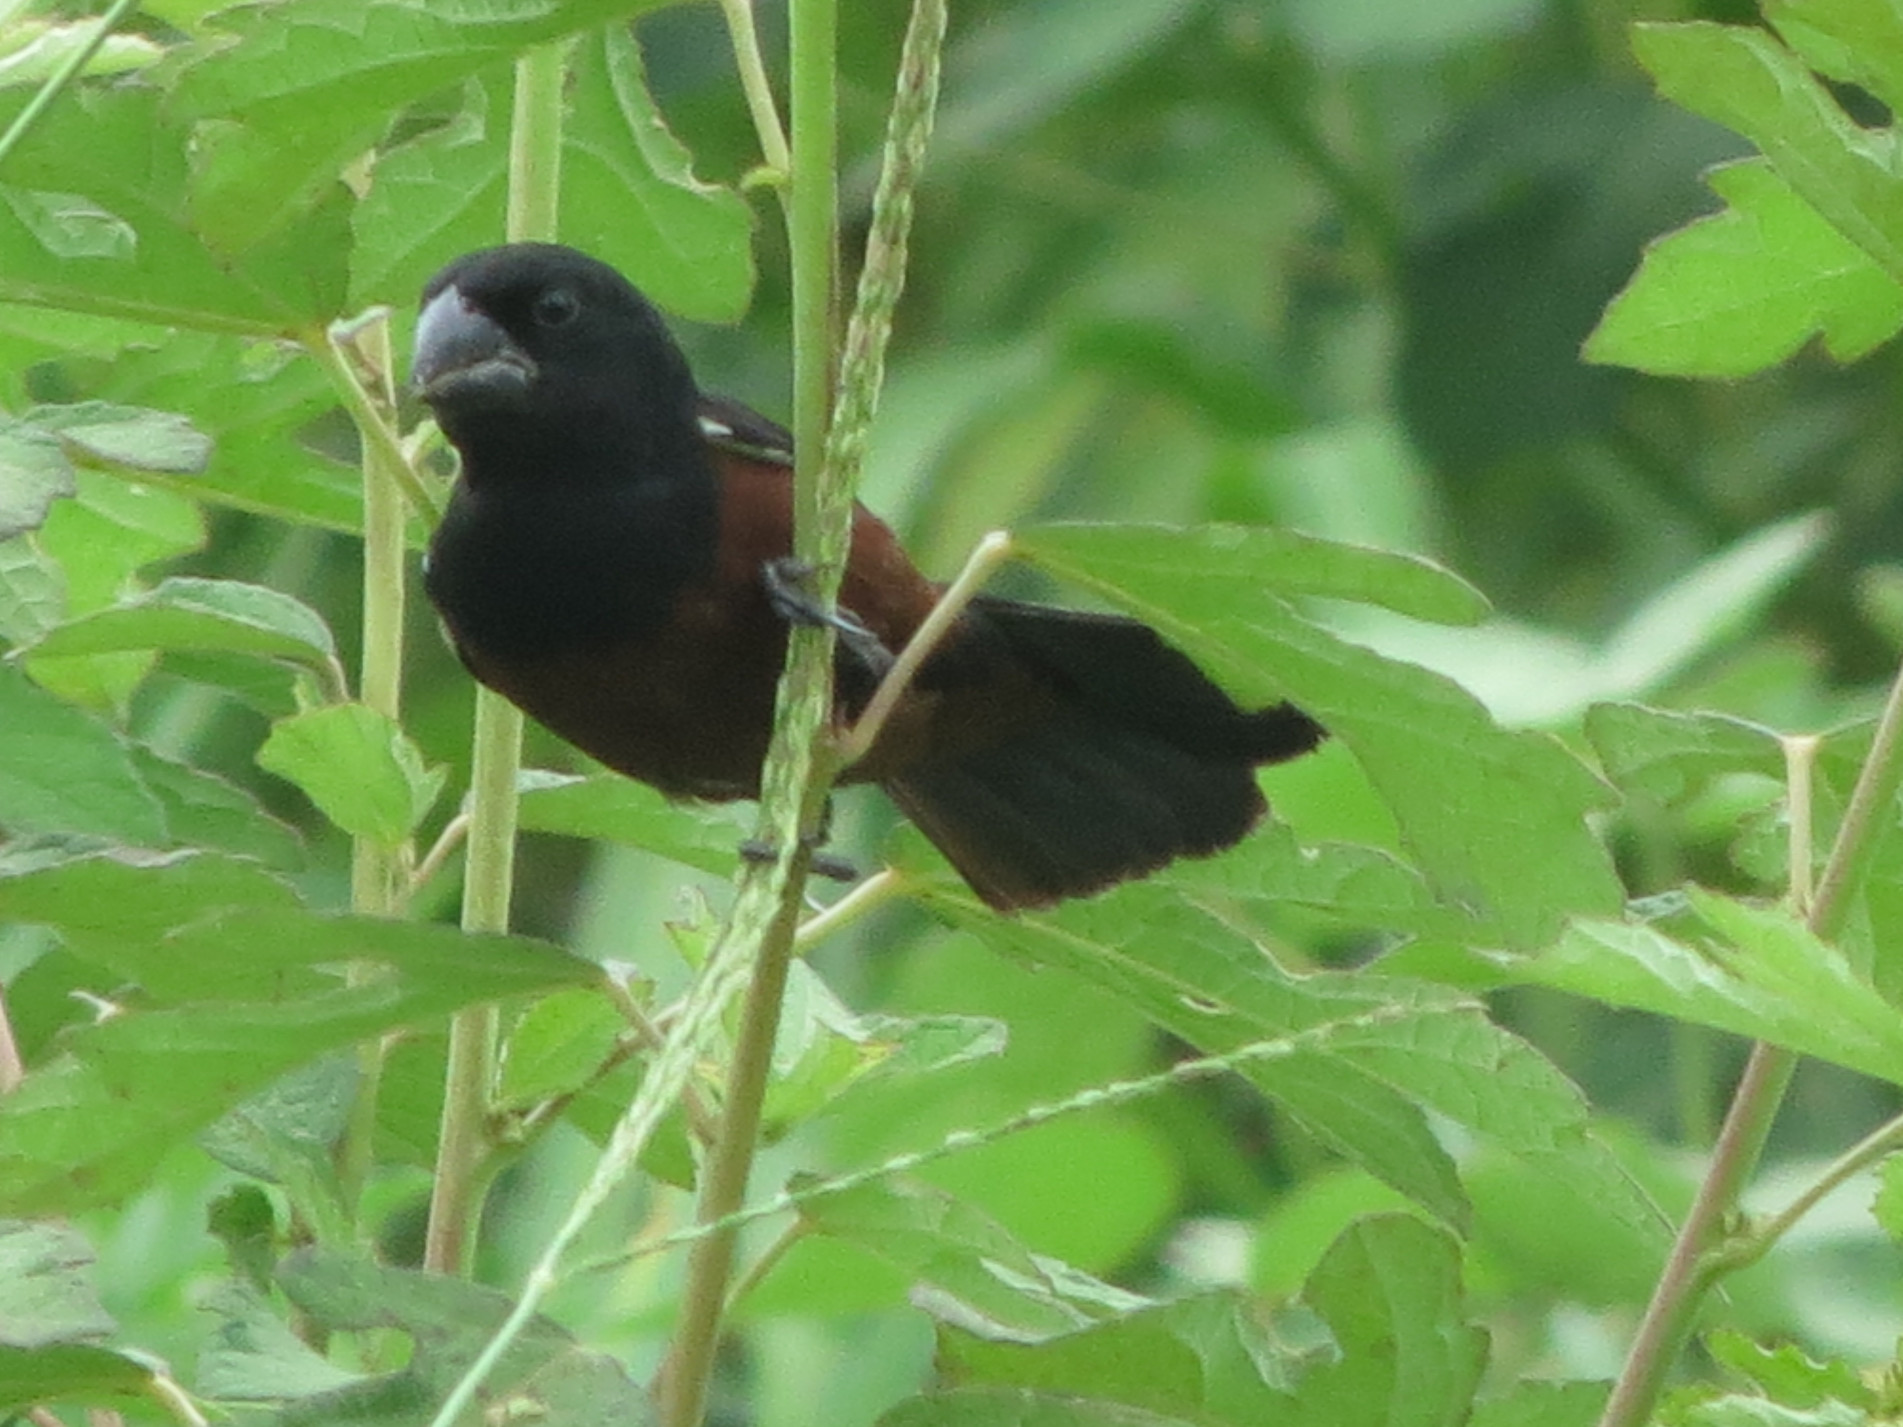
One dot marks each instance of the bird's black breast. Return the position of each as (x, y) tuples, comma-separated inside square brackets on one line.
[(521, 574)]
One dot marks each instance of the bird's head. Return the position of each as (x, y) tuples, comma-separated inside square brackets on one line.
[(535, 342)]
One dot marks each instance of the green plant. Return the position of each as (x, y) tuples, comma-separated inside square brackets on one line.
[(1342, 1037)]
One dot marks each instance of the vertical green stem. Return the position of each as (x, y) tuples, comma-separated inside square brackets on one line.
[(535, 155), (823, 483), (376, 871)]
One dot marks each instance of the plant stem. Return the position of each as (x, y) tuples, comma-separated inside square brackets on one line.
[(535, 155), (792, 786), (829, 442), (1695, 1261), (723, 1185), (377, 886), (1670, 1315), (757, 87)]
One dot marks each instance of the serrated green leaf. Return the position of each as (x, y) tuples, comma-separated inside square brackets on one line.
[(1670, 755), (88, 1126), (204, 811), (1213, 1359), (1852, 41), (32, 591), (966, 1269), (1746, 288), (1747, 81), (559, 1045), (202, 617), (545, 1376), (136, 437), (34, 472), (1787, 1375), (253, 1355), (358, 766), (61, 771), (46, 1289), (1775, 982), (122, 150), (1495, 818), (1209, 560), (629, 195)]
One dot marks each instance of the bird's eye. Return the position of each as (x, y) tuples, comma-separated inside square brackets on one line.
[(556, 308)]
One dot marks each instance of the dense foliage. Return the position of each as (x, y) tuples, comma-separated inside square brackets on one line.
[(1392, 1115)]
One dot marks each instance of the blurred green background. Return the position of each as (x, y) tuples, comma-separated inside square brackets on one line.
[(1318, 263)]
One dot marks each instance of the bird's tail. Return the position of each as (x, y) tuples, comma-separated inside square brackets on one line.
[(1137, 759)]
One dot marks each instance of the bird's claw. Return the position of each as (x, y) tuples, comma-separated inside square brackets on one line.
[(822, 864), (785, 582)]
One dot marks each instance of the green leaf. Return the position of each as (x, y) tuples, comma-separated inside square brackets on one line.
[(1496, 819), (46, 1290), (101, 539), (1209, 1359), (255, 1357), (118, 909), (1766, 978), (610, 808), (32, 590), (204, 811), (61, 771), (1369, 1054), (1544, 1404), (34, 472), (203, 617), (822, 1049), (1747, 81), (135, 437), (545, 1377), (1210, 560), (1670, 756), (1390, 1292), (308, 87), (264, 400), (559, 1045), (358, 766), (629, 195), (964, 1268), (70, 1372), (1746, 288), (1016, 1407), (1789, 1376), (1852, 41), (122, 151), (88, 1126), (50, 1317)]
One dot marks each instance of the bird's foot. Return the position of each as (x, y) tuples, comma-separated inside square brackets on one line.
[(785, 582), (823, 864)]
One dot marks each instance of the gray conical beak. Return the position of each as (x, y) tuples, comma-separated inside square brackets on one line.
[(465, 356)]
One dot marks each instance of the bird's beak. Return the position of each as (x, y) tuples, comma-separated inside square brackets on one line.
[(463, 356)]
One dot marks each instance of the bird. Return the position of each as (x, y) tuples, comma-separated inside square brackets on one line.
[(614, 558)]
